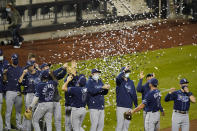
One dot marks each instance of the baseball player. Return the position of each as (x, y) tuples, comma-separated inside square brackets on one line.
[(79, 95), (96, 92), (68, 98), (182, 99), (152, 102), (125, 97), (32, 58), (58, 75), (3, 66), (44, 96), (144, 89), (13, 92), (29, 79)]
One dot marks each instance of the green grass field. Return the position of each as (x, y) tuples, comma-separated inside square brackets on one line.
[(169, 66)]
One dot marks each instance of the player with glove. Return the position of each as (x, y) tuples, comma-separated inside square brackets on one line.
[(152, 102), (125, 97), (44, 97)]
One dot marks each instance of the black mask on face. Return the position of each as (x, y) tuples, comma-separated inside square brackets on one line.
[(184, 86), (15, 61)]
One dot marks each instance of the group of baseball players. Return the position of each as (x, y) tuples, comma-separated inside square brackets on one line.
[(39, 85)]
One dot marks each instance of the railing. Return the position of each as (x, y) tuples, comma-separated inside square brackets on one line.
[(50, 16)]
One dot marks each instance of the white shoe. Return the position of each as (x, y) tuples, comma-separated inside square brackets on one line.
[(17, 47), (20, 43)]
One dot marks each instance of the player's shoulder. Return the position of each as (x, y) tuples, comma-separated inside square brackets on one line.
[(177, 92), (131, 81)]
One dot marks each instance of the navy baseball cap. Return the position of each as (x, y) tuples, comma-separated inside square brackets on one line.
[(14, 56), (95, 71), (44, 65), (1, 52), (29, 63), (184, 81), (123, 68), (149, 75), (154, 82), (45, 74)]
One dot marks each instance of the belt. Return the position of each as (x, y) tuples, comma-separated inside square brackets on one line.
[(181, 112), (151, 111)]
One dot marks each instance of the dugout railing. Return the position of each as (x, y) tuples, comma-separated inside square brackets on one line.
[(74, 13)]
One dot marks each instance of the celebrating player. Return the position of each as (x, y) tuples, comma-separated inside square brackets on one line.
[(79, 95), (144, 89), (152, 102), (44, 96), (13, 92), (56, 75), (68, 98), (3, 68), (182, 99), (125, 97), (29, 79), (96, 92)]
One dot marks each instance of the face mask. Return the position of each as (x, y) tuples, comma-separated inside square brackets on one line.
[(1, 58), (127, 75), (95, 77), (33, 61), (15, 62), (184, 87), (8, 9)]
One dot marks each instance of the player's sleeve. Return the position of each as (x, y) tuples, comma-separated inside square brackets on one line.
[(134, 95), (6, 64), (120, 79), (140, 86), (104, 91), (71, 90), (170, 97), (24, 81), (146, 99), (92, 90), (37, 91), (59, 73)]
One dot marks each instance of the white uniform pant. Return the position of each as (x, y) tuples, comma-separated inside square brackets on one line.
[(122, 124), (180, 121), (97, 119)]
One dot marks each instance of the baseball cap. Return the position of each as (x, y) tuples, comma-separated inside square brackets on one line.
[(184, 81), (44, 65), (44, 74), (123, 68), (14, 56), (95, 71), (149, 75), (154, 82), (29, 63), (1, 52)]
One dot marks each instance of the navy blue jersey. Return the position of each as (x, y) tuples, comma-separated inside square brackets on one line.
[(72, 83), (144, 89), (59, 73), (95, 94), (3, 65), (30, 81), (13, 75), (45, 91), (181, 100), (152, 101), (79, 96), (125, 92)]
